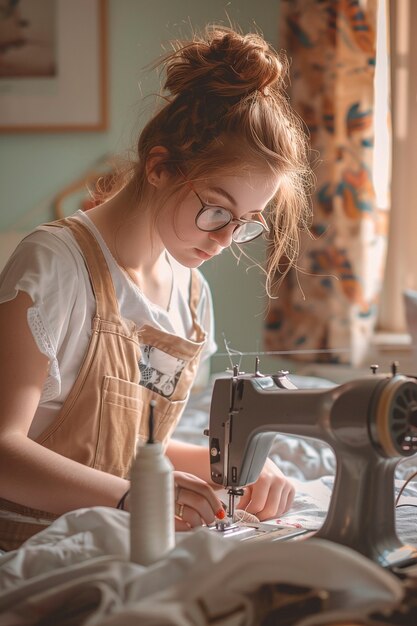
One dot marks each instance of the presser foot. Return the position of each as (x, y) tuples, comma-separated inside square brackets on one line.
[(226, 525), (255, 531), (244, 530)]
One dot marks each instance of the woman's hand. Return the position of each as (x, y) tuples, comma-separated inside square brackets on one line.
[(271, 495), (195, 502)]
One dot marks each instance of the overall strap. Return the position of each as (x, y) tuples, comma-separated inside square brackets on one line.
[(107, 307), (195, 292)]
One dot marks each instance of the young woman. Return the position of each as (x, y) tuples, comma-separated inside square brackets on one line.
[(103, 312)]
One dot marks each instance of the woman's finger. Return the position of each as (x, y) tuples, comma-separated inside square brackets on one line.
[(268, 497), (181, 525), (279, 501), (188, 515), (289, 499), (245, 500), (256, 496), (196, 494), (193, 507)]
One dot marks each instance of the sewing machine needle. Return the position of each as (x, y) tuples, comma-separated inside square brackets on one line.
[(231, 508)]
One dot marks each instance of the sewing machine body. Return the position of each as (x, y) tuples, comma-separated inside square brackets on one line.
[(370, 424)]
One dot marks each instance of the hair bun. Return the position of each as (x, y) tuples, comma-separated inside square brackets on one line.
[(223, 63)]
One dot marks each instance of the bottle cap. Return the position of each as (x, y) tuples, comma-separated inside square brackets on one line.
[(149, 449)]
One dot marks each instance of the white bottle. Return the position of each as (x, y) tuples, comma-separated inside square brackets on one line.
[(152, 524)]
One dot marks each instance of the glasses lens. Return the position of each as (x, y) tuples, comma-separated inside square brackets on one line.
[(213, 218), (246, 232)]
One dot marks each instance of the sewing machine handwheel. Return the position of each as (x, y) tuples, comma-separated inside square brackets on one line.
[(396, 417)]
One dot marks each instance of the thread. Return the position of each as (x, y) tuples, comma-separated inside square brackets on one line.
[(152, 524), (243, 516)]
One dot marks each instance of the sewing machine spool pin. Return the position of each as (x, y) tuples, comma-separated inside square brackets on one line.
[(370, 424)]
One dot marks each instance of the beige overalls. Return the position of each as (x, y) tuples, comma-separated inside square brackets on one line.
[(106, 409)]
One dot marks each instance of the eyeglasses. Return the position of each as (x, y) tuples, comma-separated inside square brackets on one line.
[(212, 218)]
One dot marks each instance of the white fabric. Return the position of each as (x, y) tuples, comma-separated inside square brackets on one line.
[(48, 265), (77, 571)]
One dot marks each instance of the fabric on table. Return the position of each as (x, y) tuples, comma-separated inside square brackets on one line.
[(77, 572)]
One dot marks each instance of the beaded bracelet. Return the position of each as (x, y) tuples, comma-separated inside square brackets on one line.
[(121, 503)]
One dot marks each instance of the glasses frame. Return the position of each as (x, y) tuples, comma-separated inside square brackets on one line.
[(240, 222)]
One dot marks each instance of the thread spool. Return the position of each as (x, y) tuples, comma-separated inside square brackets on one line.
[(152, 524)]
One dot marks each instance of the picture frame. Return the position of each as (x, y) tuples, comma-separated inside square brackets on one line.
[(54, 78)]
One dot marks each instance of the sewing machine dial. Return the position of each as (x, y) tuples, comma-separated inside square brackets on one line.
[(396, 417)]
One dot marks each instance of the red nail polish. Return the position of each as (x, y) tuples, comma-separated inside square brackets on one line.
[(221, 514)]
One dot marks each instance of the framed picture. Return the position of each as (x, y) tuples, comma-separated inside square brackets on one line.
[(53, 65)]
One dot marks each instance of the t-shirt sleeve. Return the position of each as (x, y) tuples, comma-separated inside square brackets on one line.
[(43, 267)]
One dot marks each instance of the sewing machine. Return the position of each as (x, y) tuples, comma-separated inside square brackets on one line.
[(370, 424)]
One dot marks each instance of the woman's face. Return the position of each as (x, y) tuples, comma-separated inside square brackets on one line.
[(241, 195)]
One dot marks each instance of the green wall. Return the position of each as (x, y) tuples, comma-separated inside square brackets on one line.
[(34, 167)]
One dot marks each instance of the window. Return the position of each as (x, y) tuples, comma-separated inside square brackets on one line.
[(401, 266)]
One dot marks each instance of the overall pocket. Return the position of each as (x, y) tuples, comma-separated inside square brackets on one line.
[(167, 414), (120, 418)]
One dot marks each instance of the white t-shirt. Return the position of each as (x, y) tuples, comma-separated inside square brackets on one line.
[(49, 267)]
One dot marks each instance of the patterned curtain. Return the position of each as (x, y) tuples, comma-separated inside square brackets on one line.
[(329, 301)]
